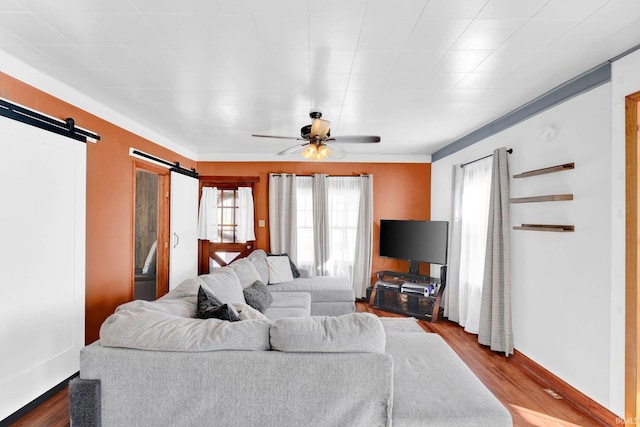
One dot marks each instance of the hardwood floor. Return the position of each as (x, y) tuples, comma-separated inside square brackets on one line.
[(521, 393)]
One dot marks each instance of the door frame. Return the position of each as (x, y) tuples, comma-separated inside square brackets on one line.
[(632, 259), (162, 254)]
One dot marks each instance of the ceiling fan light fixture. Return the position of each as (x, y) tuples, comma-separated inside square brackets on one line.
[(322, 152), (310, 151)]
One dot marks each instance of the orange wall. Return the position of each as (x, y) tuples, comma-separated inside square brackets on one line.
[(401, 191), (109, 250)]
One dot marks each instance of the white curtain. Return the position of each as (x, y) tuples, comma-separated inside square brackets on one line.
[(245, 215), (474, 209), (495, 320), (283, 214), (364, 238), (452, 290), (208, 214), (343, 203), (321, 249), (304, 229)]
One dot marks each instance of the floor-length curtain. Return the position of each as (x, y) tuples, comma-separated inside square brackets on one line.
[(343, 202), (474, 211), (245, 222), (208, 214), (364, 238), (452, 290), (495, 321), (283, 214), (321, 249)]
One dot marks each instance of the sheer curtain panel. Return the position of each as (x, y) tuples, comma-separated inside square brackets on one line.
[(245, 215), (364, 238), (283, 214), (452, 291), (343, 194), (208, 214), (473, 214), (321, 249)]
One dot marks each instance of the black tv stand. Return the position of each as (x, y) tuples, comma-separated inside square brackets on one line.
[(408, 293)]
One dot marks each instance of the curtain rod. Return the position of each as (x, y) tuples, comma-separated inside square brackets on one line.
[(34, 118), (510, 150), (311, 176)]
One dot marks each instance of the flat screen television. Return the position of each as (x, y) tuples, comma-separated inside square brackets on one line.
[(414, 241)]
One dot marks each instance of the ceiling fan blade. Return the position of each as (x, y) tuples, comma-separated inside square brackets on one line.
[(354, 138), (320, 128), (279, 137), (336, 152), (293, 149)]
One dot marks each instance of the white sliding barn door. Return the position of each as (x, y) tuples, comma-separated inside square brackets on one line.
[(183, 250), (42, 261)]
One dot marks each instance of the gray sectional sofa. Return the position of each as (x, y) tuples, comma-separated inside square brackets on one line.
[(156, 364)]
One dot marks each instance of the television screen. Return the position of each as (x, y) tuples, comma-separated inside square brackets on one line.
[(423, 241)]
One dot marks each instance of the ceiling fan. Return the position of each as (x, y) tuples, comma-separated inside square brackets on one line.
[(318, 140)]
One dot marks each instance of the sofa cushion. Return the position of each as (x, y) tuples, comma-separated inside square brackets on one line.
[(224, 284), (259, 260), (289, 304), (145, 329), (321, 288), (246, 272), (178, 307), (279, 269), (354, 332), (257, 296), (294, 269), (210, 307)]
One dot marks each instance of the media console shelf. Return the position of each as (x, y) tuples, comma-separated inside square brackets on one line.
[(411, 294)]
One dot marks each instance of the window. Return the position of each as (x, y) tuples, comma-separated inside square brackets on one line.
[(226, 227), (227, 202), (343, 199)]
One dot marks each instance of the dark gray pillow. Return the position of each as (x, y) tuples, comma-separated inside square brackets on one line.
[(257, 296), (294, 268), (211, 307)]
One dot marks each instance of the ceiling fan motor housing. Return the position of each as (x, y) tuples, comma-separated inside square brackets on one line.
[(305, 132)]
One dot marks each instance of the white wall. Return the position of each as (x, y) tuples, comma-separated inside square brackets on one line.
[(565, 297)]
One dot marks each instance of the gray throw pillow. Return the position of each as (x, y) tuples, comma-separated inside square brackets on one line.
[(257, 296), (211, 307)]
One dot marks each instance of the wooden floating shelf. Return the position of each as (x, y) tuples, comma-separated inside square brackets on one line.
[(549, 198), (551, 169), (546, 227)]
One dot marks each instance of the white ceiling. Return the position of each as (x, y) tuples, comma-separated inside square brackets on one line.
[(206, 74)]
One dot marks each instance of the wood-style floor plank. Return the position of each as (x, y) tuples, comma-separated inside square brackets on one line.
[(521, 393)]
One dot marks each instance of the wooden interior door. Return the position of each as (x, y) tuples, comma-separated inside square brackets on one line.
[(151, 202)]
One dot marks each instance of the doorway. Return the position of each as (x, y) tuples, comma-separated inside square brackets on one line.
[(632, 262), (150, 260)]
